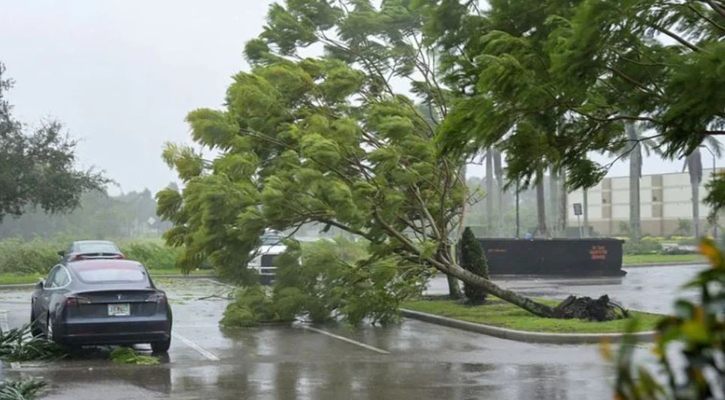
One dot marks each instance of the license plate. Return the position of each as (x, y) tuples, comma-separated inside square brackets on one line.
[(119, 310)]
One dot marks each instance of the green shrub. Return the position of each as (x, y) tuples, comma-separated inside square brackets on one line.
[(31, 257), (37, 256), (474, 261), (644, 247), (152, 255)]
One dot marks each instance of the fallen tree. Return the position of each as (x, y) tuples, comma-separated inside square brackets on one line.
[(326, 140)]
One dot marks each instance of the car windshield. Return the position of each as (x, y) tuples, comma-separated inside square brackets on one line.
[(96, 247), (111, 274), (271, 239)]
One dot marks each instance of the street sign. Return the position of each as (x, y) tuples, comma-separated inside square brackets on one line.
[(577, 208)]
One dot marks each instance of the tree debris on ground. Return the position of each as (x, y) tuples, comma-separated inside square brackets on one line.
[(19, 344), (127, 355), (26, 389)]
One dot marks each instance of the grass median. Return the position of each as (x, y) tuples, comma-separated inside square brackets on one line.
[(635, 259), (504, 315), (17, 279)]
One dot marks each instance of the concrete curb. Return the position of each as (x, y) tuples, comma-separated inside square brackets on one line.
[(522, 336), (667, 264)]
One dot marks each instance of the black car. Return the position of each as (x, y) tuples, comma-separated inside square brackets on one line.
[(101, 302), (90, 249)]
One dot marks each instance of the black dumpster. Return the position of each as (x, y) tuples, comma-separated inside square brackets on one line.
[(561, 257)]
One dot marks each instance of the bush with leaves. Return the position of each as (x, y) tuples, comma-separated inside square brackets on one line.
[(642, 247), (473, 259), (690, 346), (37, 256)]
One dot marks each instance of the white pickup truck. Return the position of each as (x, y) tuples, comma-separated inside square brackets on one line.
[(264, 261)]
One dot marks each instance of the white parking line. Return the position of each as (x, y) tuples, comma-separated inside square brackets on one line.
[(4, 327), (344, 339), (196, 347)]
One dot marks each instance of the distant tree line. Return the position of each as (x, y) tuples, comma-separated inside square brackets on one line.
[(99, 216)]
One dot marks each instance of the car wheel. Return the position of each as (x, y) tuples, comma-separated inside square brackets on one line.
[(34, 329), (161, 346)]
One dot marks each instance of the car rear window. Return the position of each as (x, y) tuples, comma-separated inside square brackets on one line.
[(100, 247), (111, 274)]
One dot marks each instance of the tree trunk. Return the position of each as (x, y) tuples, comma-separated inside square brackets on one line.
[(541, 228), (563, 206), (498, 172), (635, 173), (454, 288), (554, 202), (538, 309), (585, 211), (489, 192)]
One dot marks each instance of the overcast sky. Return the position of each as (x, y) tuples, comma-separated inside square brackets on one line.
[(122, 74)]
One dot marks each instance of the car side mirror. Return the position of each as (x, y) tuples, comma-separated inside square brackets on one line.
[(61, 253), (40, 284)]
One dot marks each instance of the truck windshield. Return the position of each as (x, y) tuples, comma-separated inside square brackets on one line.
[(271, 239)]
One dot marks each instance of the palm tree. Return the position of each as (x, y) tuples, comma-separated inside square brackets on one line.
[(633, 152), (693, 164), (541, 228), (554, 200), (489, 191), (498, 172)]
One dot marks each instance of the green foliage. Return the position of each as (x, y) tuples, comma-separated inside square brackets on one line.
[(38, 169), (152, 255), (127, 355), (26, 389), (319, 139), (252, 305), (18, 344), (338, 280), (331, 140), (642, 247), (474, 260), (559, 80), (693, 335)]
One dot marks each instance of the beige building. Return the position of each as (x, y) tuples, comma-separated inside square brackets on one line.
[(664, 200)]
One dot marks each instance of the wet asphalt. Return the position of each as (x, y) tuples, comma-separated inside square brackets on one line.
[(411, 361)]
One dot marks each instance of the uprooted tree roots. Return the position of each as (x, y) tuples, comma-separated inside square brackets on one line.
[(601, 309)]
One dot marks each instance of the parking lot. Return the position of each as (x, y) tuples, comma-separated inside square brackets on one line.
[(414, 360)]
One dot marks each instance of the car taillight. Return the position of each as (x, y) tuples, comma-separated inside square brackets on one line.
[(75, 300), (156, 298), (78, 257), (118, 257)]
